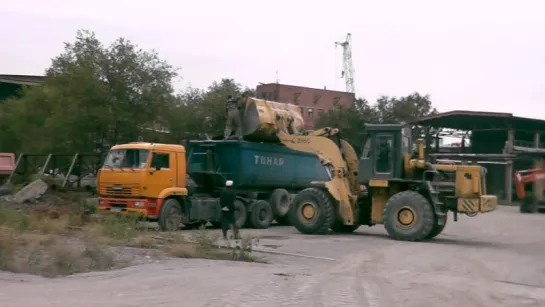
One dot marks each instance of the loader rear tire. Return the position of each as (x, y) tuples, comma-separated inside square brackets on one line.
[(312, 211), (280, 202), (170, 215), (408, 216)]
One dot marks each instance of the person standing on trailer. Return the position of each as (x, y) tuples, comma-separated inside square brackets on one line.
[(227, 203), (233, 118)]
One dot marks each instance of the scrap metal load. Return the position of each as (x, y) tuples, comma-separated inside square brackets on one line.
[(262, 120)]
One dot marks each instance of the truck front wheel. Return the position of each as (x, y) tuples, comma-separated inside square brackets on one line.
[(312, 211), (170, 216)]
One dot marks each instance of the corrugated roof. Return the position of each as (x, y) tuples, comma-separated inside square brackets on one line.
[(476, 120), (22, 79)]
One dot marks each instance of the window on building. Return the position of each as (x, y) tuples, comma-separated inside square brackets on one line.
[(336, 101), (302, 111), (310, 112), (160, 160), (264, 95), (270, 96)]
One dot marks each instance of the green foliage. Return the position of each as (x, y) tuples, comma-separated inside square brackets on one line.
[(202, 111), (387, 110), (92, 95)]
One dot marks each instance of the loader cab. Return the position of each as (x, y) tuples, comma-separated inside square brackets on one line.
[(384, 147)]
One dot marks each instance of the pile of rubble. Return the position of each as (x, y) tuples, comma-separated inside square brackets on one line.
[(29, 193)]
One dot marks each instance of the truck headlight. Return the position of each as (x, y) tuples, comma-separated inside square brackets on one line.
[(138, 204)]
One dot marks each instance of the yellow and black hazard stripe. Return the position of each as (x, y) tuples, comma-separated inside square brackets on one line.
[(469, 205)]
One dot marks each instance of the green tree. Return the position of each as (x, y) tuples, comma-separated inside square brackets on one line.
[(198, 112), (349, 119), (391, 110), (387, 110), (91, 94)]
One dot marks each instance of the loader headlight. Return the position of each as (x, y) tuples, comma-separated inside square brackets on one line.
[(138, 204)]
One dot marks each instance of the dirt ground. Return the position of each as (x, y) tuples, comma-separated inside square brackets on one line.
[(493, 259)]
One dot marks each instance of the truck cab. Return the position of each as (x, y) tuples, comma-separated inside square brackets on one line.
[(384, 149), (137, 177)]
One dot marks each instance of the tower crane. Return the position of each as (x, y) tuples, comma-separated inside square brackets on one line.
[(348, 67)]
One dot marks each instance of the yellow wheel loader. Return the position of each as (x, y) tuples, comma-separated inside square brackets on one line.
[(388, 183)]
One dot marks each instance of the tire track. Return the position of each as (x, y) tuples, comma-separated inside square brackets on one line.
[(332, 287)]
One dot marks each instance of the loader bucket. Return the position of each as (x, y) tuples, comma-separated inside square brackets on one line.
[(262, 119)]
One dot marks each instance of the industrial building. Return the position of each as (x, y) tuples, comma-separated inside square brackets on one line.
[(501, 142), (10, 85), (313, 101)]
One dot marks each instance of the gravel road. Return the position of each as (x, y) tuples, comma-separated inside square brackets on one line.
[(494, 259)]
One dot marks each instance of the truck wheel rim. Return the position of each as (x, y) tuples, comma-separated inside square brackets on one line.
[(406, 217), (308, 211), (262, 214)]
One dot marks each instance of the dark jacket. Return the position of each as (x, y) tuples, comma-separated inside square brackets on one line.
[(227, 199)]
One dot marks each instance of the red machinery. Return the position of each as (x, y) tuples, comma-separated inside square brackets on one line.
[(523, 177)]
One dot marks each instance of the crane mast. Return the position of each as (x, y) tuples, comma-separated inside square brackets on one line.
[(348, 67)]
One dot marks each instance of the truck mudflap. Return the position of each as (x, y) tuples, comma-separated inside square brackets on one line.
[(144, 208), (483, 204)]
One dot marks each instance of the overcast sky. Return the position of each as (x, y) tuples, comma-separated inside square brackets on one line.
[(483, 55)]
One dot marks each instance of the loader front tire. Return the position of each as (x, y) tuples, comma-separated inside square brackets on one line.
[(312, 211), (408, 216), (437, 229)]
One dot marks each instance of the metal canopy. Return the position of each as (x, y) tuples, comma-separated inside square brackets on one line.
[(471, 121)]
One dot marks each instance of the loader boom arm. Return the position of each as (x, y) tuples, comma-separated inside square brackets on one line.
[(283, 122)]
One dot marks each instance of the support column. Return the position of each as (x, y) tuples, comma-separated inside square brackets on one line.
[(538, 185), (509, 168)]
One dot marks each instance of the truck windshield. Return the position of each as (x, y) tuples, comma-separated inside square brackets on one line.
[(127, 158)]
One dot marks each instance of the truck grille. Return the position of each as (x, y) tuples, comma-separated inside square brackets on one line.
[(119, 189)]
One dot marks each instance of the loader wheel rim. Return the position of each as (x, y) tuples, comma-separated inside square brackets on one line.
[(308, 211), (406, 217)]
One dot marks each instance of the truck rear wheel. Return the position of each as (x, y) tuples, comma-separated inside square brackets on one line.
[(312, 211), (261, 215), (240, 213), (170, 216), (280, 202), (408, 216)]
